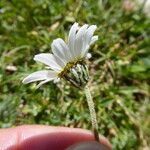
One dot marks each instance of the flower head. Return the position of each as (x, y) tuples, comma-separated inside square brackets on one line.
[(67, 60)]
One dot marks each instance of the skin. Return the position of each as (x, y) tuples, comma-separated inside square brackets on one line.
[(33, 137)]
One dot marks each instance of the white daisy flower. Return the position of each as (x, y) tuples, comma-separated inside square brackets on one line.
[(67, 60)]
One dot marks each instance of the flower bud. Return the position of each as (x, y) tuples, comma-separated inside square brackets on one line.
[(78, 75)]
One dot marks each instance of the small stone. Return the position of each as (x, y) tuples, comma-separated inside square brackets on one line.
[(11, 68)]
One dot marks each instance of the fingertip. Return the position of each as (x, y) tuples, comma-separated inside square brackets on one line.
[(45, 137)]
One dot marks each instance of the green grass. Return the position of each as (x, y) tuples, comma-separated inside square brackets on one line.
[(119, 68)]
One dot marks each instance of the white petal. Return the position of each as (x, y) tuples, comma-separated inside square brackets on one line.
[(71, 39), (43, 82), (82, 30), (94, 39), (89, 33), (80, 40), (61, 50), (49, 60), (88, 38), (39, 75), (60, 61)]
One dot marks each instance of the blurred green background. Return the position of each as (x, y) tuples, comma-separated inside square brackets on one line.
[(119, 68)]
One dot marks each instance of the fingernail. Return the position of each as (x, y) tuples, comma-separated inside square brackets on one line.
[(89, 145)]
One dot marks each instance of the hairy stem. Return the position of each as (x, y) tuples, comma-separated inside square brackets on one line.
[(92, 112)]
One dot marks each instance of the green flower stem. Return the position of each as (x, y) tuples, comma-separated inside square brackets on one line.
[(92, 112)]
